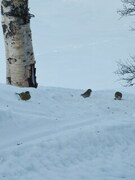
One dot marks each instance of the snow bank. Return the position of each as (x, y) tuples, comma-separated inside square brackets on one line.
[(58, 134)]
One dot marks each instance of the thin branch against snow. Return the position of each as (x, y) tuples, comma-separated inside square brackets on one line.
[(126, 71), (128, 8)]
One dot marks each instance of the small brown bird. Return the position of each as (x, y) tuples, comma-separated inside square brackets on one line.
[(87, 93), (24, 95), (118, 95)]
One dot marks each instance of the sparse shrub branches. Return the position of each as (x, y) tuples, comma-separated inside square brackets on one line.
[(128, 8), (126, 70)]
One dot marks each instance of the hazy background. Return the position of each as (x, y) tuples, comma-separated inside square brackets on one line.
[(77, 42)]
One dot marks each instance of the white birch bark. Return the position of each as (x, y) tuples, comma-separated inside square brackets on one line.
[(20, 59)]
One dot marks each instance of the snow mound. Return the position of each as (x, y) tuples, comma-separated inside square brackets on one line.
[(58, 134)]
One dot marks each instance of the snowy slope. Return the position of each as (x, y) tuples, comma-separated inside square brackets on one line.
[(58, 135)]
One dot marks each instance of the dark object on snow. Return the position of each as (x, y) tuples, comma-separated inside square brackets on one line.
[(87, 93), (118, 95), (24, 95)]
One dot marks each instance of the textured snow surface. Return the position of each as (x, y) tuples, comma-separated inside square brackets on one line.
[(59, 135)]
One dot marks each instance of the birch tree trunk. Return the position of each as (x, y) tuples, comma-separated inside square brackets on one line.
[(20, 61)]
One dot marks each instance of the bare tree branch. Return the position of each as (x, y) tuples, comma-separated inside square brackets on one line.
[(126, 71), (128, 8)]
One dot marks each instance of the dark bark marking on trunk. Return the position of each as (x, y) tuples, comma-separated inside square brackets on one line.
[(6, 3), (21, 12), (2, 12), (4, 27), (9, 80), (11, 60), (9, 32), (32, 79), (12, 28)]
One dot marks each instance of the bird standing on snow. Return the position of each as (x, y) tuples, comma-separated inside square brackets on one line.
[(24, 95), (118, 95), (87, 93)]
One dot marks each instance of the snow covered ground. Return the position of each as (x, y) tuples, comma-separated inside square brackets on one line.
[(59, 135)]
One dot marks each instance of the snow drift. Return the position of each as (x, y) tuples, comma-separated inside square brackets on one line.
[(58, 135)]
